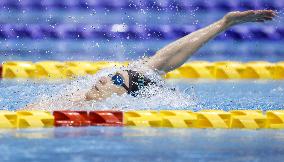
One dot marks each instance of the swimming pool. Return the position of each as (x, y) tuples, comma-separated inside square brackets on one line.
[(125, 30), (150, 144)]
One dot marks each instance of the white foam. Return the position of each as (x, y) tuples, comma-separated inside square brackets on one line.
[(160, 96)]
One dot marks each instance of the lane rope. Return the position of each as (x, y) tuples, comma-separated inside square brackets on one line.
[(191, 70), (248, 119)]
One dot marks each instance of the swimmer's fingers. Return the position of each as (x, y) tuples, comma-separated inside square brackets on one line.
[(252, 15), (263, 19), (264, 14), (268, 18), (238, 17)]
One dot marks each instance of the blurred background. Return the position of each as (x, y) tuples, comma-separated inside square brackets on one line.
[(129, 29)]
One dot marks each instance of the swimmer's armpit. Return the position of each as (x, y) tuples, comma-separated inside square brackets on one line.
[(176, 53)]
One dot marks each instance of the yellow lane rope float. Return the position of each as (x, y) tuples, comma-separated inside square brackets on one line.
[(192, 70), (234, 119)]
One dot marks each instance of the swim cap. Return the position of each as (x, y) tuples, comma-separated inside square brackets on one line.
[(136, 82)]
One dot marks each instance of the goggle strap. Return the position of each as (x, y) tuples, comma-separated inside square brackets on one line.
[(124, 86)]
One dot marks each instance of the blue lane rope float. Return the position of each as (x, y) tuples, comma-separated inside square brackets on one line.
[(227, 5), (234, 119), (122, 31), (191, 70)]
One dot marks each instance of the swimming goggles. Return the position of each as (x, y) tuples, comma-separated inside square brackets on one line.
[(118, 80), (136, 81)]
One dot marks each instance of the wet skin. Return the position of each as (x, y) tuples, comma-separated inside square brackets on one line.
[(104, 87)]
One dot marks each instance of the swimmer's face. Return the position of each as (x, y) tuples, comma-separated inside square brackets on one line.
[(105, 87)]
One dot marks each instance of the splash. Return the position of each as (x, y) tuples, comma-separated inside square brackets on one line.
[(160, 96)]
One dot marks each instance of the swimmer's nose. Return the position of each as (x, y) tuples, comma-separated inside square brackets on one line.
[(103, 80)]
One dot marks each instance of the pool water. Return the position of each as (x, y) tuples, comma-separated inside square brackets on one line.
[(206, 94), (150, 144), (140, 144)]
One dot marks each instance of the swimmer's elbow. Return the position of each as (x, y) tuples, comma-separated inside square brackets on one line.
[(156, 64), (164, 63), (162, 67)]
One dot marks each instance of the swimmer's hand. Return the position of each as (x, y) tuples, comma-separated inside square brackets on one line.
[(237, 17)]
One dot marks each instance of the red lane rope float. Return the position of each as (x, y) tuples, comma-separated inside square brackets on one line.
[(71, 118), (1, 70), (106, 118), (83, 118)]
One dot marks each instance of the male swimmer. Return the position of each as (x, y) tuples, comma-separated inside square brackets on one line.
[(170, 57)]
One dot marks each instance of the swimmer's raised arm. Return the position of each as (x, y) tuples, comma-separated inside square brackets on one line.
[(176, 53)]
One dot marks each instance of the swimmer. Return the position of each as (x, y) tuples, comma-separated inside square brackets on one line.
[(169, 57)]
